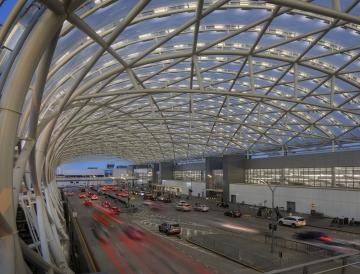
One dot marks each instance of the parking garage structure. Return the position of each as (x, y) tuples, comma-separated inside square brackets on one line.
[(160, 82)]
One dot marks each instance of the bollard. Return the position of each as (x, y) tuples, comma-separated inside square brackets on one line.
[(343, 269)]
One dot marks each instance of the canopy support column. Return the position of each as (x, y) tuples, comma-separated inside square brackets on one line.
[(13, 96)]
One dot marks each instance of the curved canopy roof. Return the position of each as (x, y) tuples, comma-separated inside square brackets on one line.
[(159, 80)]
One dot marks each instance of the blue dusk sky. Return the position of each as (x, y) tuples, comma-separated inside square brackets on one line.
[(5, 9), (94, 161)]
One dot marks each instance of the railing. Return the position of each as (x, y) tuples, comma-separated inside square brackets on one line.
[(300, 246), (341, 264)]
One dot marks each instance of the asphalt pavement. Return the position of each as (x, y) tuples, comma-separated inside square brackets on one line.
[(170, 254)]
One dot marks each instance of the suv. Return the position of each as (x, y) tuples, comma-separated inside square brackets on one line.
[(183, 206), (202, 208), (169, 229), (293, 221)]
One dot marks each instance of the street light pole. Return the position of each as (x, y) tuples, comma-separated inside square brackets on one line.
[(272, 218), (272, 189)]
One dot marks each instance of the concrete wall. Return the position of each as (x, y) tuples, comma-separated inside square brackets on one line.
[(197, 187), (166, 171), (331, 202)]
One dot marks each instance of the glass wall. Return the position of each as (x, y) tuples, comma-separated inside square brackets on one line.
[(348, 177), (258, 176), (189, 175), (313, 177), (143, 174), (343, 177)]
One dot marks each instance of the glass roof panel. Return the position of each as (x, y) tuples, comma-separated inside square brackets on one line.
[(259, 77)]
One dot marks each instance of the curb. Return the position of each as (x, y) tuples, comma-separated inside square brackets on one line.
[(227, 257)]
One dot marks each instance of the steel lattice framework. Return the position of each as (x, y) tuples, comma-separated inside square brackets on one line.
[(185, 79), (159, 80), (178, 79)]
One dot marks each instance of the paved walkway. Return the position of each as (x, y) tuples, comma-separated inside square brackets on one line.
[(252, 253)]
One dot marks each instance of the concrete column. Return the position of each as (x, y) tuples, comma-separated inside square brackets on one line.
[(234, 173), (333, 177), (166, 171), (41, 75), (211, 163), (154, 169)]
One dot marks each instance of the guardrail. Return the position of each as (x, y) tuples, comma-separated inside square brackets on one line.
[(77, 235), (341, 264), (300, 246)]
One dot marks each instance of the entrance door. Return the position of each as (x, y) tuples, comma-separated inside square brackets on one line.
[(233, 199), (290, 206)]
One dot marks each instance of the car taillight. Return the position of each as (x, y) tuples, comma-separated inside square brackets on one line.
[(325, 238)]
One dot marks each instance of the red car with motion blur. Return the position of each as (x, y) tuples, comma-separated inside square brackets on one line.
[(134, 233), (105, 204), (82, 196), (123, 194), (87, 203), (115, 210)]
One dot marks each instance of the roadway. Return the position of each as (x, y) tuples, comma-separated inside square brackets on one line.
[(158, 253), (155, 253)]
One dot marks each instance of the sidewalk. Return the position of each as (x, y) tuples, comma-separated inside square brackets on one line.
[(316, 222), (253, 254), (325, 223)]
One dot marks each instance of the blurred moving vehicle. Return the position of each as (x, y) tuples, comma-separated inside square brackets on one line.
[(105, 204), (293, 221), (115, 210), (167, 200), (149, 196), (123, 194), (94, 197), (183, 206), (160, 198), (223, 205), (313, 236), (82, 196), (87, 203), (202, 208), (170, 229), (134, 233), (164, 199), (233, 213)]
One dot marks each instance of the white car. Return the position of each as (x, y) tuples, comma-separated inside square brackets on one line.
[(202, 208), (293, 221), (183, 206)]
